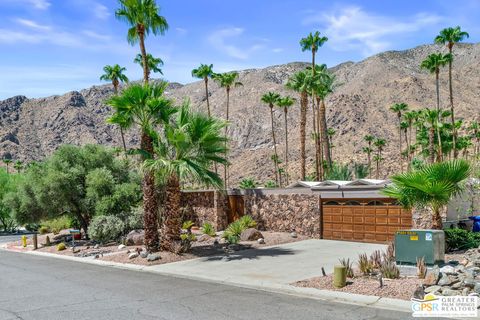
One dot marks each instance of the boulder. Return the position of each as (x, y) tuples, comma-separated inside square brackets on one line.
[(121, 247), (432, 289), (431, 279), (448, 269), (450, 292), (132, 255), (293, 234), (261, 241), (251, 234), (135, 238), (144, 254), (153, 257)]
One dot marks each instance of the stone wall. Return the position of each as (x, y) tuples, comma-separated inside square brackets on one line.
[(285, 212), (205, 206)]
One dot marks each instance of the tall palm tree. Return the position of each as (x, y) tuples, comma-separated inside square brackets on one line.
[(204, 71), (380, 145), (474, 129), (398, 108), (433, 186), (331, 132), (144, 19), (146, 107), (449, 37), (311, 43), (116, 75), (431, 121), (297, 83), (228, 81), (18, 165), (7, 163), (410, 117), (368, 150), (154, 64), (192, 142), (285, 103), (271, 98)]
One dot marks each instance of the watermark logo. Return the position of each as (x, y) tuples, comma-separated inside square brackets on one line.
[(440, 306)]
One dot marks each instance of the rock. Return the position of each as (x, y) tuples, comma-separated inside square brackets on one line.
[(144, 254), (153, 257), (96, 246), (457, 285), (447, 280), (251, 234), (469, 283), (449, 292), (465, 291), (464, 262), (135, 238), (121, 247), (75, 250), (447, 269), (132, 255), (431, 278), (96, 256), (432, 289), (204, 238), (419, 293), (261, 241), (293, 234)]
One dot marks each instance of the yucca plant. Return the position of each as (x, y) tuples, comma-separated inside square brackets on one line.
[(421, 268), (247, 222), (389, 270), (376, 259), (389, 255), (208, 229), (233, 230), (348, 266), (364, 264)]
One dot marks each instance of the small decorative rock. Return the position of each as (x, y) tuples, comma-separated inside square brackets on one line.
[(132, 255), (450, 292), (96, 256), (477, 288), (153, 257), (96, 246), (135, 238), (75, 250), (447, 269), (250, 234), (121, 247), (432, 289), (465, 291), (469, 283), (431, 279), (293, 234), (261, 241), (144, 254)]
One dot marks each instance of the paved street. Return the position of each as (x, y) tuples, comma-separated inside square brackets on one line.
[(35, 287)]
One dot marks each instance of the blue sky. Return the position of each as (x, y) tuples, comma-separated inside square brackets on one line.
[(53, 46)]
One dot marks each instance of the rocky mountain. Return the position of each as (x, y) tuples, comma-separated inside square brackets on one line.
[(31, 129)]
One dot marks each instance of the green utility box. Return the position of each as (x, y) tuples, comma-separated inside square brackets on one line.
[(410, 244)]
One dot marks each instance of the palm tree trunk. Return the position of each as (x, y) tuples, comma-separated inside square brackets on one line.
[(286, 145), (172, 223), (431, 143), (150, 205), (315, 136), (275, 161), (324, 133), (303, 126), (452, 109), (208, 99), (225, 167), (437, 222), (319, 144), (141, 35), (437, 84), (400, 139)]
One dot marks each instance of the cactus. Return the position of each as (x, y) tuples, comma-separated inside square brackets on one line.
[(61, 246)]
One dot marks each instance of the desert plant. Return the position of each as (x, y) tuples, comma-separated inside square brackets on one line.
[(135, 220), (460, 239), (339, 172), (348, 265), (376, 259), (58, 224), (233, 231), (360, 170), (61, 246), (247, 183), (270, 184), (44, 230), (389, 270), (364, 264), (106, 228), (247, 222), (47, 242), (187, 225), (421, 268), (186, 240), (389, 255), (208, 229)]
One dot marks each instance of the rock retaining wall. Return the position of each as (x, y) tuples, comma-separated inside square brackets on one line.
[(205, 206)]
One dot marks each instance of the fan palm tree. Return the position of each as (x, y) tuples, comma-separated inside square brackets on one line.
[(285, 103), (474, 129), (204, 71), (271, 99), (144, 19), (432, 187), (7, 163), (191, 143), (154, 64), (398, 108), (331, 132), (368, 150), (18, 165), (297, 83), (380, 145), (433, 63), (431, 122), (410, 117), (116, 75), (228, 81), (449, 37), (146, 107), (311, 43)]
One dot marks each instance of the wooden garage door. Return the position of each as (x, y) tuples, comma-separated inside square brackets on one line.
[(372, 221)]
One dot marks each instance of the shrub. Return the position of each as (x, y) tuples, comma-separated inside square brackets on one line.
[(247, 183), (61, 246), (106, 228), (247, 222), (187, 225), (186, 241), (376, 259), (348, 265), (390, 254), (32, 227), (58, 224), (421, 268), (208, 229), (232, 239), (364, 264), (389, 270), (460, 239), (270, 184), (134, 220), (44, 230)]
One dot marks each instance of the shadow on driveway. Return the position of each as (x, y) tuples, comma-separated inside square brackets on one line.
[(252, 254)]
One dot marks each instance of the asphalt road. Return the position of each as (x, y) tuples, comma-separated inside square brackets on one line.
[(33, 287)]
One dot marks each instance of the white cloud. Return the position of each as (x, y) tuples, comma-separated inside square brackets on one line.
[(352, 28), (277, 50), (220, 38), (36, 4), (40, 4), (32, 24), (95, 35), (101, 11), (181, 31)]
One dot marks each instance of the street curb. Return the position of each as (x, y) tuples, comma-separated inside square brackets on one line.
[(311, 293)]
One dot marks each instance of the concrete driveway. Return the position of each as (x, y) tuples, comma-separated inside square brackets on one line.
[(279, 265)]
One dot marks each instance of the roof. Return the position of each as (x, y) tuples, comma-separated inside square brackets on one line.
[(338, 184)]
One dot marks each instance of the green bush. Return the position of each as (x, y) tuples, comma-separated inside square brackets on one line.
[(58, 224), (134, 220), (247, 222), (106, 228), (208, 229), (234, 230), (460, 239), (389, 270), (44, 230)]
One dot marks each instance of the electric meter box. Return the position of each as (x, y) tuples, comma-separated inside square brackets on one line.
[(416, 243)]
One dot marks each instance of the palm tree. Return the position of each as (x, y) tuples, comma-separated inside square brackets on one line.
[(380, 145), (475, 134), (153, 63), (410, 117), (18, 165), (286, 103), (331, 132), (297, 82), (7, 163), (227, 81), (115, 75), (146, 107), (271, 98), (433, 63), (368, 150), (398, 108), (404, 128), (204, 72), (191, 143), (432, 123), (450, 36), (433, 187), (311, 43), (143, 18)]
